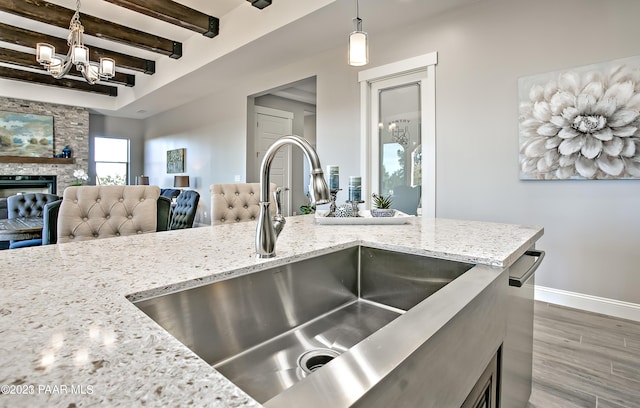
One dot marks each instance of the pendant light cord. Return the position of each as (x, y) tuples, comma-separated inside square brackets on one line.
[(357, 22)]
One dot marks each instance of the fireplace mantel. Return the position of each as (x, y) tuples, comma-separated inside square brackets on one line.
[(49, 160)]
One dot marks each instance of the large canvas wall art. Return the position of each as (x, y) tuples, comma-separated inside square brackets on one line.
[(26, 134), (582, 123)]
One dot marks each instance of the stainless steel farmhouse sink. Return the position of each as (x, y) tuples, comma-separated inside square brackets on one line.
[(268, 330)]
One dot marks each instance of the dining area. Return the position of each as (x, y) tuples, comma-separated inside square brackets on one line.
[(91, 212)]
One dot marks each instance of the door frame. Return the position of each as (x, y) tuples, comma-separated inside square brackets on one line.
[(422, 64), (261, 110)]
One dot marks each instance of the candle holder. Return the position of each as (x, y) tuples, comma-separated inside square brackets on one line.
[(354, 206), (332, 206)]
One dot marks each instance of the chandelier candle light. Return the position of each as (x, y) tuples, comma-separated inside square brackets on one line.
[(358, 47), (77, 55)]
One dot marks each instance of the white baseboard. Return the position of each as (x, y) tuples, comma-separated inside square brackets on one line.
[(595, 304)]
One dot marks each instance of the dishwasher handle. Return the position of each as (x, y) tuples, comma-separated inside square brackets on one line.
[(518, 281)]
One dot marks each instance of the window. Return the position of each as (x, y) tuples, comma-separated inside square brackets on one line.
[(112, 161)]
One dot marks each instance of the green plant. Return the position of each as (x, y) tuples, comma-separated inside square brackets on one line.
[(308, 208), (380, 201)]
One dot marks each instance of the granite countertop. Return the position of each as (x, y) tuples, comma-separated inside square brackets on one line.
[(69, 335)]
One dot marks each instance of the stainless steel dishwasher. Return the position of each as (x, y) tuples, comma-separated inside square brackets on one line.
[(517, 351)]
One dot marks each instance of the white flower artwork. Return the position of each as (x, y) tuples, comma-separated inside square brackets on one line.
[(581, 124)]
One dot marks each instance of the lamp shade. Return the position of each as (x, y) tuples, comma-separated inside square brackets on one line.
[(44, 53), (142, 180), (358, 49), (181, 181), (107, 67), (80, 54)]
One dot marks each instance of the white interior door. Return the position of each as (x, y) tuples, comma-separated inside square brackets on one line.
[(271, 124)]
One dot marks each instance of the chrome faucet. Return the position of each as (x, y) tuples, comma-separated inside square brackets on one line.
[(268, 230)]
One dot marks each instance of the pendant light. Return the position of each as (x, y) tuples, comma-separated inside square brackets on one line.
[(78, 56), (358, 47)]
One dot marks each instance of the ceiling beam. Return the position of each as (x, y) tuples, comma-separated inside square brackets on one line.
[(260, 3), (53, 14), (24, 59), (26, 38), (174, 13), (27, 76)]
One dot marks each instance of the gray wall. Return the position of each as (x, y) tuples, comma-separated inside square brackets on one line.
[(591, 226)]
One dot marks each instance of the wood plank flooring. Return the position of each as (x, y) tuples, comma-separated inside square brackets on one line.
[(583, 359)]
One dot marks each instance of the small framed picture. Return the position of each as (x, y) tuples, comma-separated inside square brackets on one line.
[(175, 160)]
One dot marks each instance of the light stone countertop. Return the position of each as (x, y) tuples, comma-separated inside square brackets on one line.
[(70, 335)]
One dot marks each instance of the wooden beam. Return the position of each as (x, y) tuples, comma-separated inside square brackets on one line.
[(44, 79), (26, 38), (24, 59), (260, 3), (174, 13), (53, 14)]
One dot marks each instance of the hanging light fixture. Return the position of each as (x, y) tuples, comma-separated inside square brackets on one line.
[(77, 55), (358, 47)]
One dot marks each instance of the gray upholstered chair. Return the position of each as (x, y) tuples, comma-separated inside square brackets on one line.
[(28, 205), (237, 202), (170, 193), (49, 230), (184, 213), (3, 214), (164, 213), (94, 212)]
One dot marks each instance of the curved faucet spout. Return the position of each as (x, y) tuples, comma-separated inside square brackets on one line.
[(266, 234)]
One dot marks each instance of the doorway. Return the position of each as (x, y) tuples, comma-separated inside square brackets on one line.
[(272, 124), (296, 100), (398, 133)]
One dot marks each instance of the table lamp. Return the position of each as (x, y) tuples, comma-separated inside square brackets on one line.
[(142, 180), (181, 181)]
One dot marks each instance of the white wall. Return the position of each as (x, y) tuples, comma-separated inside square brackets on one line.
[(591, 227)]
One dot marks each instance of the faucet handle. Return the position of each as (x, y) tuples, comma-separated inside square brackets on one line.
[(277, 195)]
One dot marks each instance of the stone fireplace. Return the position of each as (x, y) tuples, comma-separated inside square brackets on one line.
[(70, 128)]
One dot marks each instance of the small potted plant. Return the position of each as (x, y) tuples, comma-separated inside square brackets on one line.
[(382, 206), (80, 176)]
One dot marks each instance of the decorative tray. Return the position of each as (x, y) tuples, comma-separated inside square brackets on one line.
[(363, 218)]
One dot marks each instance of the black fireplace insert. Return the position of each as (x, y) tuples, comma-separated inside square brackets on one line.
[(16, 184)]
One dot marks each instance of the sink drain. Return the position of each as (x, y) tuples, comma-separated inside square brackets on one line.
[(312, 360)]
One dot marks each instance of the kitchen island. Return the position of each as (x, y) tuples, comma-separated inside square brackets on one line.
[(69, 333)]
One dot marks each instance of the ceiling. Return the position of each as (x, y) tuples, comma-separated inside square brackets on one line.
[(250, 40)]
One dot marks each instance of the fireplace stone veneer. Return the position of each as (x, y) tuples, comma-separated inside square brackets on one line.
[(70, 128)]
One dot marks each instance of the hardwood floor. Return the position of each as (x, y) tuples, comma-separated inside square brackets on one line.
[(583, 359)]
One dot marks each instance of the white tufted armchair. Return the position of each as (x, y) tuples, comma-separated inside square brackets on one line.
[(93, 212), (237, 202)]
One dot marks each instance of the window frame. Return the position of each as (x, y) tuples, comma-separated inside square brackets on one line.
[(127, 163)]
